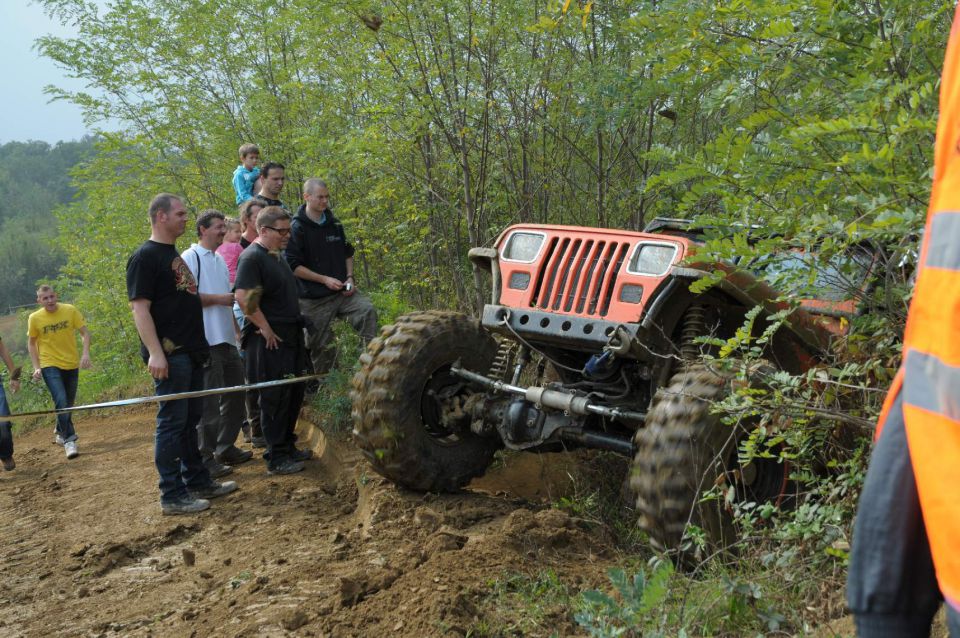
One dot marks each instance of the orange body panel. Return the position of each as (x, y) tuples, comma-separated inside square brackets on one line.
[(582, 271)]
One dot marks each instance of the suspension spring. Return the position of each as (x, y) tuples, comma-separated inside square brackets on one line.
[(503, 361), (694, 325)]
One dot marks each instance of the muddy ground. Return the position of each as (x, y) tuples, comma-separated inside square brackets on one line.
[(333, 551)]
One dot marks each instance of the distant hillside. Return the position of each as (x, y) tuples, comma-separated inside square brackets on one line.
[(34, 181)]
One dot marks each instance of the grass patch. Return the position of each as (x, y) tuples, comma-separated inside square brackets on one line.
[(599, 498), (526, 605)]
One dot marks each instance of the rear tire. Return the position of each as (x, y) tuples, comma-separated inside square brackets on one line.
[(403, 387)]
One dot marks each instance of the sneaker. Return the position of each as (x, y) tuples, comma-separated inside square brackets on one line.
[(218, 470), (258, 441), (214, 490), (302, 455), (57, 439), (287, 466), (234, 456), (8, 464), (70, 447), (185, 505)]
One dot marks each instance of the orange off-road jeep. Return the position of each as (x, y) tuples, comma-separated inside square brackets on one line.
[(590, 339)]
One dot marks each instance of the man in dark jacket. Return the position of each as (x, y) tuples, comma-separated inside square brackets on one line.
[(322, 260)]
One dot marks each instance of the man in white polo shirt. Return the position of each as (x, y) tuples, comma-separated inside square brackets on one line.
[(224, 414)]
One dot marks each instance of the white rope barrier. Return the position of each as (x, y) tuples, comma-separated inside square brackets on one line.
[(160, 398)]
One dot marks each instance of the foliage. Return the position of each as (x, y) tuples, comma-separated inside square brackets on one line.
[(606, 617), (35, 179)]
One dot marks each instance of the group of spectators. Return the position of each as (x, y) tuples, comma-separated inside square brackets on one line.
[(272, 296), (252, 300)]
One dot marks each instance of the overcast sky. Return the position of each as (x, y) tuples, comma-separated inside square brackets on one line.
[(25, 113)]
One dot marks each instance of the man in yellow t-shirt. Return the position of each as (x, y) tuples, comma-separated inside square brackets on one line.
[(53, 350)]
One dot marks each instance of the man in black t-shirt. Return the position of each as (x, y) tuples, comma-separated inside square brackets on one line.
[(273, 337), (272, 177), (168, 315)]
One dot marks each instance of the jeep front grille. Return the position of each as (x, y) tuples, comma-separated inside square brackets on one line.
[(578, 276)]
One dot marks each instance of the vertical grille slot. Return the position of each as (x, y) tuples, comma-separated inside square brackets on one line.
[(577, 283), (566, 270), (589, 281), (548, 253), (553, 266), (609, 285), (600, 282)]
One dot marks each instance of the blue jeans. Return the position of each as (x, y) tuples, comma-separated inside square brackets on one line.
[(175, 449), (6, 436), (63, 388)]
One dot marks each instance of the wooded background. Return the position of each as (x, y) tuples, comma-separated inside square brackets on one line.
[(34, 181), (438, 124)]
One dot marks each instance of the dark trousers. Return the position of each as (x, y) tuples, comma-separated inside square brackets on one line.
[(6, 435), (891, 584), (222, 414), (63, 388), (279, 406), (175, 451), (357, 309)]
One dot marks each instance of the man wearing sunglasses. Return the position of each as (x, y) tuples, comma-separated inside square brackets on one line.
[(273, 337)]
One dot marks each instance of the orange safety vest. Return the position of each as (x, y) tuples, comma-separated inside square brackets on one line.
[(929, 377)]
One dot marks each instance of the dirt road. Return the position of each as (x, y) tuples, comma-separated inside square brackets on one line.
[(333, 551)]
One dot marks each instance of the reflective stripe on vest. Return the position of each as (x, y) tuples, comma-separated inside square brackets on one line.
[(944, 249)]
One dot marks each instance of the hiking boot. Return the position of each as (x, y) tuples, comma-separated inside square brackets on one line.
[(184, 505), (218, 470), (214, 490), (70, 447), (302, 455), (287, 466), (8, 464), (258, 441), (234, 456)]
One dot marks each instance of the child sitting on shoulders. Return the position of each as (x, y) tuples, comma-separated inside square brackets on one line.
[(246, 175), (230, 249)]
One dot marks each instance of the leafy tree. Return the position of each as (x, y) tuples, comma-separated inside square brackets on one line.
[(35, 179)]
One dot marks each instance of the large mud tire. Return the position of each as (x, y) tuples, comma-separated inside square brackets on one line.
[(394, 422), (684, 450)]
